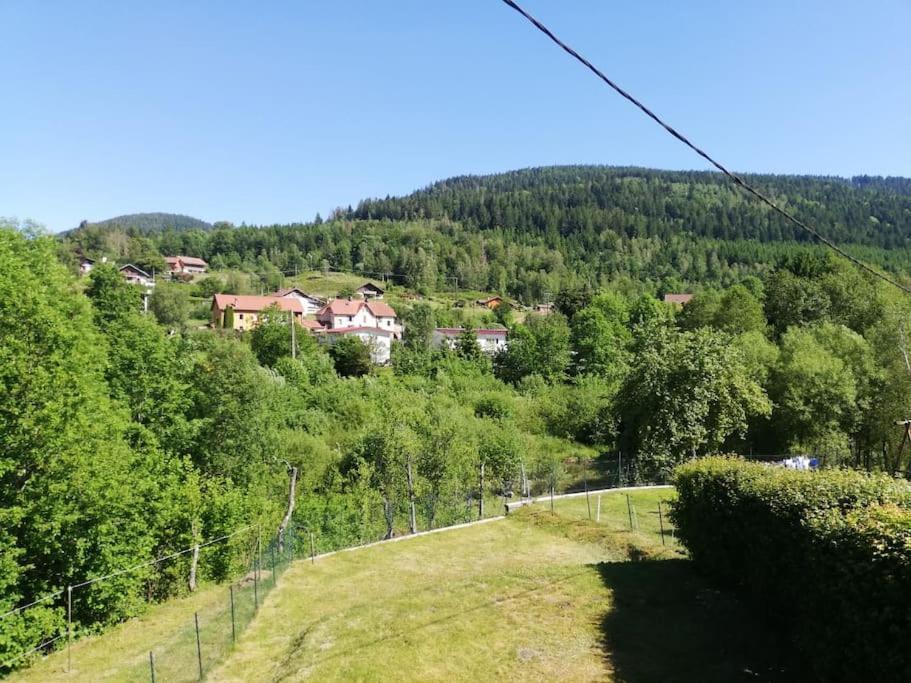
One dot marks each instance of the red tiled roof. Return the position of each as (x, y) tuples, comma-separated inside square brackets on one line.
[(186, 260), (240, 302), (677, 298), (380, 309), (312, 324), (341, 307), (192, 261), (353, 306), (483, 332), (346, 330)]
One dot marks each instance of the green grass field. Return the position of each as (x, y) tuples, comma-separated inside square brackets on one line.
[(537, 596)]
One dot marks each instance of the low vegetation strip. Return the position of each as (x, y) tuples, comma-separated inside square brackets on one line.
[(827, 555)]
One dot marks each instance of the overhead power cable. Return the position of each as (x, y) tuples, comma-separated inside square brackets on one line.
[(736, 179)]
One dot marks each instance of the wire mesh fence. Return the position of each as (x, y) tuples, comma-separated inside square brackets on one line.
[(189, 647), (642, 509), (198, 645)]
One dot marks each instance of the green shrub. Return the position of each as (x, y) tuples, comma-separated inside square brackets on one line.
[(827, 555), (496, 406)]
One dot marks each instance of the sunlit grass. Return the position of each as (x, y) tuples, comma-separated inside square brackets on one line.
[(537, 596)]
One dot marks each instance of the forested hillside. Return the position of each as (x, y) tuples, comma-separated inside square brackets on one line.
[(584, 201), (531, 233), (149, 222)]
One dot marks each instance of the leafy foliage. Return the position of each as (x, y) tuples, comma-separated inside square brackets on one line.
[(826, 555)]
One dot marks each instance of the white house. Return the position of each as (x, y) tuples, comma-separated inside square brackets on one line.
[(186, 264), (309, 303), (86, 265), (341, 313), (379, 341), (368, 290), (373, 322), (136, 276), (490, 340)]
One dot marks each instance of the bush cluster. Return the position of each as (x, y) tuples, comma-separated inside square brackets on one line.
[(827, 556)]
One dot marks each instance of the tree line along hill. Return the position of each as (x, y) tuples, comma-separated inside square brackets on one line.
[(530, 233)]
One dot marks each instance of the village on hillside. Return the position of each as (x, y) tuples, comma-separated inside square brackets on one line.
[(364, 314)]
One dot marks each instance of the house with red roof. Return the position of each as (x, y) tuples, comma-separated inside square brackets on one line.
[(677, 299), (310, 303), (491, 303), (185, 264), (245, 310), (373, 322), (136, 275)]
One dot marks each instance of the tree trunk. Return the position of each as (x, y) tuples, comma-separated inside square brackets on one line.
[(194, 564), (287, 518), (388, 514)]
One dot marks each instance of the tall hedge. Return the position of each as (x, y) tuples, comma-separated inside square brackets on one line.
[(826, 555)]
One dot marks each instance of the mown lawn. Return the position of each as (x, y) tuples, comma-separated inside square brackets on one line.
[(537, 596)]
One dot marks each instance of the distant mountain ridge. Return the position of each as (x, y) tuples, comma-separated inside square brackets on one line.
[(150, 223), (641, 203)]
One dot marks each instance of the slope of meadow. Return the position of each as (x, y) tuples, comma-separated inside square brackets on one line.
[(535, 596)]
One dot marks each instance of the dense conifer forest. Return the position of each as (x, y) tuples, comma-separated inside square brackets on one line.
[(529, 233)]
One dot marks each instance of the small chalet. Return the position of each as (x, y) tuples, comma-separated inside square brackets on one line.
[(491, 303), (310, 303), (677, 299), (136, 276), (373, 322), (490, 340), (86, 265), (186, 264), (368, 290), (245, 310), (543, 309)]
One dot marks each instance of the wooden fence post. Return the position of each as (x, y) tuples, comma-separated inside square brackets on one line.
[(588, 501), (198, 644), (661, 522), (233, 623)]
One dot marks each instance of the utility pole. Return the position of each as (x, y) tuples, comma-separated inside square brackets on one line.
[(293, 337)]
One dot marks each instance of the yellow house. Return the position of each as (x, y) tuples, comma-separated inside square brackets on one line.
[(245, 310)]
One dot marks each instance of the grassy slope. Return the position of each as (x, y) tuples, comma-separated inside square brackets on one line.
[(536, 596), (121, 654)]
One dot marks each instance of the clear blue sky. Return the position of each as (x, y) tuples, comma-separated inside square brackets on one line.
[(269, 112)]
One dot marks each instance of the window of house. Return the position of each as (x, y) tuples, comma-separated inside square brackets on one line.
[(240, 316)]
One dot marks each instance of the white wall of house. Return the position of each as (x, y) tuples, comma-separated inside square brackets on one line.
[(489, 343), (380, 344), (309, 304)]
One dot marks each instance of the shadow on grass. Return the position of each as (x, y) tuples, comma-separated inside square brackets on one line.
[(667, 624)]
